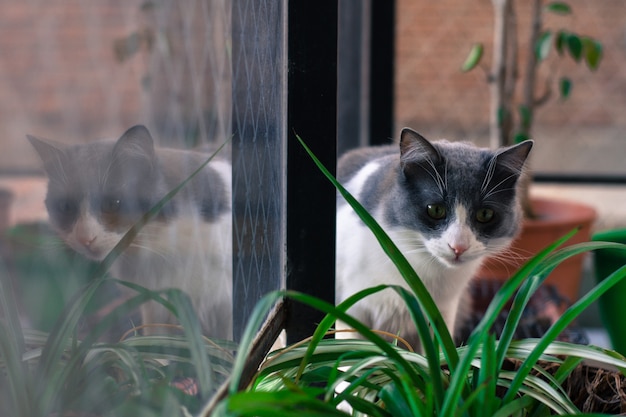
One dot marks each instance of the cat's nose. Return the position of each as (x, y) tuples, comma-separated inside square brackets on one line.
[(86, 241), (458, 249)]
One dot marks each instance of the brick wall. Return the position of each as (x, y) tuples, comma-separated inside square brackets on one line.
[(61, 78), (58, 72)]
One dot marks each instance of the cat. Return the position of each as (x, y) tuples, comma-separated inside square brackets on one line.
[(447, 206), (97, 191)]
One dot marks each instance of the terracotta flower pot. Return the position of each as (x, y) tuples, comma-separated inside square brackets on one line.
[(555, 218)]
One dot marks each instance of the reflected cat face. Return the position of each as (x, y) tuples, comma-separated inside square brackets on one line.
[(96, 191)]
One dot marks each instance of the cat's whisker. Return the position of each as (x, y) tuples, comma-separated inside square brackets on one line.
[(508, 258), (105, 177), (151, 249), (495, 188), (441, 184), (414, 251)]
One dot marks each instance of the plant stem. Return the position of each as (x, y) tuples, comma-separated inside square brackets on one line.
[(500, 109), (531, 68), (510, 71)]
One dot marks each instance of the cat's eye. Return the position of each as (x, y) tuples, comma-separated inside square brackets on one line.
[(110, 205), (66, 207), (485, 215), (436, 211)]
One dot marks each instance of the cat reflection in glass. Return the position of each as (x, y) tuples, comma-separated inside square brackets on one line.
[(97, 191)]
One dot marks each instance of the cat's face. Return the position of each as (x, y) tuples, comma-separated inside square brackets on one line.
[(461, 199), (98, 190)]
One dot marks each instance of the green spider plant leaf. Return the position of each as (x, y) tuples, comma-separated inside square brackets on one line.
[(572, 312)]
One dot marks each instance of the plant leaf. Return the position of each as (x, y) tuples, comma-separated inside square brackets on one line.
[(558, 7), (520, 137), (593, 52), (279, 403), (486, 376), (571, 313), (394, 401), (191, 326), (544, 43), (565, 87), (575, 46), (12, 351), (473, 58), (526, 116), (560, 41), (262, 307)]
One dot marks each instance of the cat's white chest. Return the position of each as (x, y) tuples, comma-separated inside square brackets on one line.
[(187, 253)]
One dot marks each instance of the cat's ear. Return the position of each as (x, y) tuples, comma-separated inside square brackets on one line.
[(135, 146), (52, 155), (514, 157), (415, 148)]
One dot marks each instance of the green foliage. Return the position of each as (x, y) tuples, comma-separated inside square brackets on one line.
[(558, 7), (49, 273), (578, 47), (526, 116), (43, 373), (473, 58), (593, 52), (544, 44), (373, 377), (575, 46), (565, 87)]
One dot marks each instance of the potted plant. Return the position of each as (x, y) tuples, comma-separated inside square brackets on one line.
[(511, 120)]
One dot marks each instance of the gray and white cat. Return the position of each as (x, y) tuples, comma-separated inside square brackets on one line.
[(447, 206), (97, 191)]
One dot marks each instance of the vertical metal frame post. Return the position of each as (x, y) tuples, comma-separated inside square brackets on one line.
[(311, 199)]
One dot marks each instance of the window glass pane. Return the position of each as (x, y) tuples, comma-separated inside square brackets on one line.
[(258, 152), (81, 74)]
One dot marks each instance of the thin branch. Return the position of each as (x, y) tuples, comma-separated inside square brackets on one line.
[(530, 75), (547, 94), (511, 72), (498, 72)]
